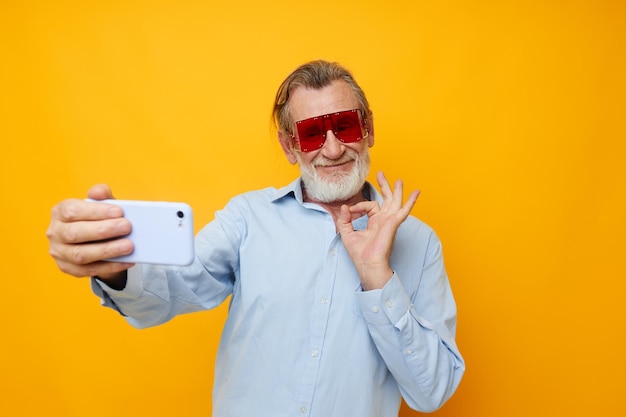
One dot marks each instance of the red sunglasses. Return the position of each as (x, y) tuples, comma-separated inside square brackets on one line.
[(348, 126)]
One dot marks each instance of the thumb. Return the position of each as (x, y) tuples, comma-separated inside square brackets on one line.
[(100, 192), (344, 221)]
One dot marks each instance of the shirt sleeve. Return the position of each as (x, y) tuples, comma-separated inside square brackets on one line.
[(154, 294), (132, 289), (414, 332)]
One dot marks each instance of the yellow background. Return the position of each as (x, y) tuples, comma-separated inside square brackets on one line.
[(508, 115)]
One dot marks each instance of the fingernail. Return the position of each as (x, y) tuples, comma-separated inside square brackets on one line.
[(114, 211), (123, 227), (125, 246)]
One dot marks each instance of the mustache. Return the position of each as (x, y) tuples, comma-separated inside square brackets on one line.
[(321, 161)]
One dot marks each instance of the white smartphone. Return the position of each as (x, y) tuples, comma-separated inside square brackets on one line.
[(162, 232)]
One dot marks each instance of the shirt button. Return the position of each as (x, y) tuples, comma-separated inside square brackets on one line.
[(408, 351), (303, 410), (315, 353), (332, 252), (325, 300), (389, 304), (375, 309)]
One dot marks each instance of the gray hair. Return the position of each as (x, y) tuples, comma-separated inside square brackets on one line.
[(315, 75)]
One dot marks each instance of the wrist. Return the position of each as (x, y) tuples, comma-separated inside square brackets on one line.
[(115, 281), (375, 278)]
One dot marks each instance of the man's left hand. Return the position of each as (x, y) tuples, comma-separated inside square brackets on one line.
[(370, 248)]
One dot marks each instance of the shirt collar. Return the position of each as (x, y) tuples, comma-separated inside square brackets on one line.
[(294, 189)]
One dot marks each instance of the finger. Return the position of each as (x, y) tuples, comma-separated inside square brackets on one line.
[(92, 231), (76, 210), (344, 221), (385, 189), (93, 269), (88, 253), (100, 192), (410, 203), (396, 200), (365, 208)]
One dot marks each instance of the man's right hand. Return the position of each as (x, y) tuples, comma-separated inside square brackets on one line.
[(82, 234)]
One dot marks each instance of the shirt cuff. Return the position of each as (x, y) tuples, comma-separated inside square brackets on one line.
[(389, 304), (133, 288)]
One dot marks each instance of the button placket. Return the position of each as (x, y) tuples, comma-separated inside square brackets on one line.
[(320, 316)]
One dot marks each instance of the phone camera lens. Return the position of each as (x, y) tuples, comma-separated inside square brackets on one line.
[(180, 214)]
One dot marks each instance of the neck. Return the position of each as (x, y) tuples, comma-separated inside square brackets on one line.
[(334, 207)]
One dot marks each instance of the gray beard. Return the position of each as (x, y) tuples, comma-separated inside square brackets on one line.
[(339, 187)]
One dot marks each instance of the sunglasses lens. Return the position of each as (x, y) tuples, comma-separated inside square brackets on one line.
[(347, 126), (311, 134)]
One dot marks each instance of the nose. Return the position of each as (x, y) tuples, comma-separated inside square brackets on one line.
[(333, 148)]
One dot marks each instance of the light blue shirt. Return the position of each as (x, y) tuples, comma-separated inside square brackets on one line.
[(302, 338)]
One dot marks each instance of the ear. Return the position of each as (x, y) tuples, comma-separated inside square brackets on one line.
[(370, 129), (287, 145)]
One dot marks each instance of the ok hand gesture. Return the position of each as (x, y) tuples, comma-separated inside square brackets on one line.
[(370, 248)]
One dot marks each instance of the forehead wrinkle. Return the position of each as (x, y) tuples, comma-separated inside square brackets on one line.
[(309, 102)]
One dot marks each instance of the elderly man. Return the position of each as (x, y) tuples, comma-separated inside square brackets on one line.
[(340, 299)]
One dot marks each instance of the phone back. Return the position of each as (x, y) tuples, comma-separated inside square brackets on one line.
[(162, 232)]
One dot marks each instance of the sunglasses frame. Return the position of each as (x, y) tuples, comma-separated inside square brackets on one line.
[(327, 122)]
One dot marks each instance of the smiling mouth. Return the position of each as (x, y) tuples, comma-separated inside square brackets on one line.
[(334, 165)]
